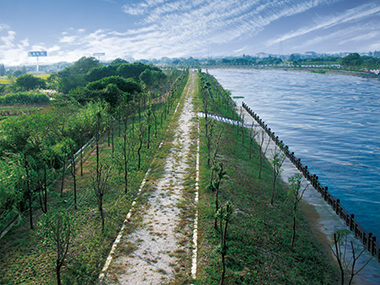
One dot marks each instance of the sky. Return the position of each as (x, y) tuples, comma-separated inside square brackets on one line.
[(147, 29)]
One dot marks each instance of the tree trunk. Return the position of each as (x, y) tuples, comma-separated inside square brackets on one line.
[(216, 207), (75, 182), (63, 176), (112, 142), (125, 164), (138, 153), (294, 226), (101, 210), (58, 270), (148, 136), (81, 162), (29, 196), (273, 186)]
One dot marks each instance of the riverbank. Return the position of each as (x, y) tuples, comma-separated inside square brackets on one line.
[(320, 216), (320, 70)]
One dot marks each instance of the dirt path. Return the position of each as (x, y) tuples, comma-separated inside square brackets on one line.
[(148, 255)]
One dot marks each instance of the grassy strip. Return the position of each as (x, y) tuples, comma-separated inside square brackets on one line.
[(24, 259), (259, 235)]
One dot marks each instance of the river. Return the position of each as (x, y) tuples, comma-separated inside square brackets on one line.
[(331, 122)]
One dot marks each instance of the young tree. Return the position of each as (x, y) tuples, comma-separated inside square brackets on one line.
[(73, 174), (100, 186), (340, 244), (277, 161), (296, 193), (252, 138), (262, 151), (148, 117), (123, 153), (140, 139), (214, 157), (57, 232), (224, 215), (67, 148), (215, 185)]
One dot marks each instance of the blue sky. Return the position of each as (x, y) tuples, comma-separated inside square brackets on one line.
[(148, 29)]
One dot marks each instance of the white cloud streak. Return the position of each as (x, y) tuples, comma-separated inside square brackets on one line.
[(351, 15)]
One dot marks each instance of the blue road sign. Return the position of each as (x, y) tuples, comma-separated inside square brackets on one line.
[(37, 53)]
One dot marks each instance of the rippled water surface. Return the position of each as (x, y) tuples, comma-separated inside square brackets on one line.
[(331, 122)]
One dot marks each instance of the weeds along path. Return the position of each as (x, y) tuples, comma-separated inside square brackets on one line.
[(158, 249)]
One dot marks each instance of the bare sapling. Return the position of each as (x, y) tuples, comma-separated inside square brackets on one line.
[(253, 134), (262, 150), (339, 250), (296, 192), (100, 186), (214, 156), (57, 231), (224, 215), (73, 174), (277, 162), (215, 186), (140, 139)]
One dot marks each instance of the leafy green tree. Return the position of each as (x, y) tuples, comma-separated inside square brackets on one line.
[(152, 77), (17, 73), (80, 67), (97, 73), (29, 82), (11, 192), (52, 81), (118, 61), (68, 83), (353, 59)]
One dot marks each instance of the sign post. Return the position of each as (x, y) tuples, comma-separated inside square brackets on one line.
[(37, 54), (99, 54)]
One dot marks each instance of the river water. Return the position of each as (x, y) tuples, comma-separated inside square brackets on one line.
[(331, 122)]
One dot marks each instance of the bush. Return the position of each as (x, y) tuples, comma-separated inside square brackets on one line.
[(24, 99)]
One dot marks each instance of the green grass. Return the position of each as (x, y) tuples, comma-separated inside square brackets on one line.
[(4, 80), (259, 234)]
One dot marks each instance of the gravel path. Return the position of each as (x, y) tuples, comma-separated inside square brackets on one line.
[(148, 254)]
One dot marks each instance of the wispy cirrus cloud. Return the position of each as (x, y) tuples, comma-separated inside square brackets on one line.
[(177, 28), (326, 22), (189, 25)]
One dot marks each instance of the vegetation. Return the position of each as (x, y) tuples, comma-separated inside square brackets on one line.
[(340, 251), (257, 247), (41, 147), (244, 239)]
